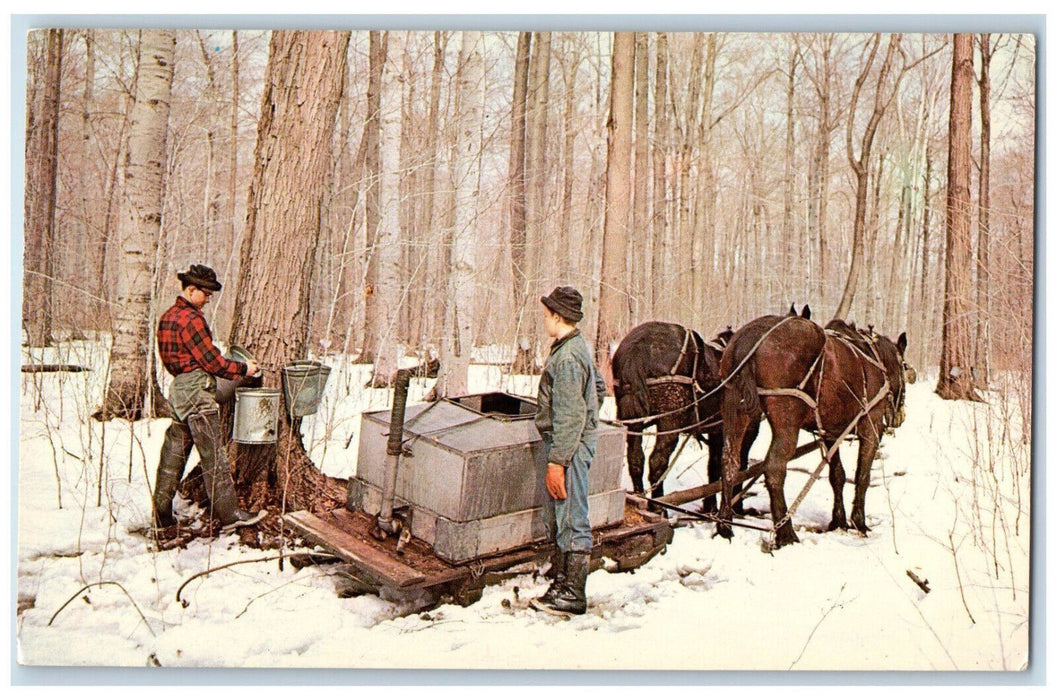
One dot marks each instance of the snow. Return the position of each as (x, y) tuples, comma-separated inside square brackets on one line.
[(949, 500)]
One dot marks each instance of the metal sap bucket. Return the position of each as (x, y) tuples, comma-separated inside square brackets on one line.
[(256, 416), (303, 384), (225, 390)]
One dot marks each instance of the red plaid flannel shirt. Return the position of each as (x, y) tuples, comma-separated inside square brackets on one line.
[(186, 344)]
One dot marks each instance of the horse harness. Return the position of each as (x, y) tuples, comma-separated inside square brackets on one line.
[(690, 343), (798, 392)]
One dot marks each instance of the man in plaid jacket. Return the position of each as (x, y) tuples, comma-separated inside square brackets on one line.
[(185, 344)]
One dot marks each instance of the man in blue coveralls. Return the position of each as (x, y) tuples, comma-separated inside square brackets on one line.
[(570, 393)]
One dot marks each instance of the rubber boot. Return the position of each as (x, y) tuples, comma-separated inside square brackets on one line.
[(174, 452), (571, 599), (205, 428), (557, 576)]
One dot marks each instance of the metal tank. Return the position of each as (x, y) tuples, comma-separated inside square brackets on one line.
[(469, 480)]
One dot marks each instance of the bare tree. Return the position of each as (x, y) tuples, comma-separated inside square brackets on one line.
[(660, 230), (294, 145), (956, 380), (519, 261), (42, 136), (982, 362), (613, 313), (457, 347), (139, 226)]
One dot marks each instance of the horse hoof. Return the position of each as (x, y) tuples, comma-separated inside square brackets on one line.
[(836, 524), (725, 531), (861, 527), (784, 538)]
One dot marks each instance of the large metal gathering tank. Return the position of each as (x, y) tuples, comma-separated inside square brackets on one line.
[(473, 481)]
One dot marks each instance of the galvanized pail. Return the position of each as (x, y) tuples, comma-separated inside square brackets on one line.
[(256, 416), (303, 384), (226, 387)]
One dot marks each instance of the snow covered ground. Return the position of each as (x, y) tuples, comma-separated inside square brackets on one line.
[(949, 501)]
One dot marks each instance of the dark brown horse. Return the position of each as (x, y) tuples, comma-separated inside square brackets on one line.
[(834, 382), (666, 375)]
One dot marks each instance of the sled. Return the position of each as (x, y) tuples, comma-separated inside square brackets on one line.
[(408, 566)]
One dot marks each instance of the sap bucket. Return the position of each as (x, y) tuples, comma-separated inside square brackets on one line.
[(256, 416), (303, 384)]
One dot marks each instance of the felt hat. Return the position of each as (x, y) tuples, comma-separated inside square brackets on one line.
[(566, 302), (200, 276)]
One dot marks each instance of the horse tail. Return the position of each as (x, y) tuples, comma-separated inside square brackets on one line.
[(739, 394), (632, 392)]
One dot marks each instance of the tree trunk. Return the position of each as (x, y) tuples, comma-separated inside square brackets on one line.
[(42, 138), (457, 348), (298, 111), (955, 380), (613, 300), (983, 270), (788, 233), (519, 259), (660, 229), (373, 321), (385, 302), (861, 165), (139, 228), (640, 251), (536, 167)]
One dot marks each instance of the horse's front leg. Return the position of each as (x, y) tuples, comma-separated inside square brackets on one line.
[(839, 520), (868, 443)]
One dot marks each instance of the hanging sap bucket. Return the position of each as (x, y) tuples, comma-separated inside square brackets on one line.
[(303, 384), (256, 416)]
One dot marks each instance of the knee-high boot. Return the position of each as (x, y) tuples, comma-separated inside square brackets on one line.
[(557, 576), (205, 428), (174, 452)]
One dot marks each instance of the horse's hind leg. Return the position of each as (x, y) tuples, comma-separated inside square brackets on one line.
[(783, 445), (636, 458), (836, 481), (714, 439), (659, 456), (734, 426)]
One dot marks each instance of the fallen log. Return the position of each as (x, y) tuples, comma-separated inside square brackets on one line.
[(53, 368)]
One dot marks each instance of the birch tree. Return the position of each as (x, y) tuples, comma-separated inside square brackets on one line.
[(138, 230), (457, 346)]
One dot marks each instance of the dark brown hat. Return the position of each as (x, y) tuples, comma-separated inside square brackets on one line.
[(200, 276), (566, 302)]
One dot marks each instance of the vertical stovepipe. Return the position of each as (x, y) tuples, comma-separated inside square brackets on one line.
[(393, 449)]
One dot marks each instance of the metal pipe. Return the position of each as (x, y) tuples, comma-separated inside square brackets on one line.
[(393, 449)]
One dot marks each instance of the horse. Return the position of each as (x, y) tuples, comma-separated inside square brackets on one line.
[(834, 381), (666, 375)]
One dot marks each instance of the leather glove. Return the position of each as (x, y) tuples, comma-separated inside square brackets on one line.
[(556, 481)]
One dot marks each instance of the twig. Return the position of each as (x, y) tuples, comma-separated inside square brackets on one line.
[(208, 571), (923, 584), (818, 624), (103, 583), (961, 588)]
